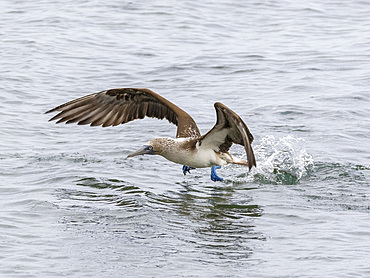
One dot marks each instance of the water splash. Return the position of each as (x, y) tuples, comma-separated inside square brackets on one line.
[(281, 161)]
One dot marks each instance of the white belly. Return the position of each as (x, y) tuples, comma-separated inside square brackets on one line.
[(199, 158), (179, 151)]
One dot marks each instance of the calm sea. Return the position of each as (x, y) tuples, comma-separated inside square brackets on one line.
[(297, 72)]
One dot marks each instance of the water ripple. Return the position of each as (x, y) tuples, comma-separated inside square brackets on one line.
[(297, 72)]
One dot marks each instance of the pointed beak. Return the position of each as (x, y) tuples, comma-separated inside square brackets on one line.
[(143, 150)]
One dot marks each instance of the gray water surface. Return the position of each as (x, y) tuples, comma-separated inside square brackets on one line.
[(297, 72)]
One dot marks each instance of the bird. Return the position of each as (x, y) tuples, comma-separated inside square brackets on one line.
[(191, 149)]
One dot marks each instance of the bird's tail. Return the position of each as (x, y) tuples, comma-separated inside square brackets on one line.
[(239, 161)]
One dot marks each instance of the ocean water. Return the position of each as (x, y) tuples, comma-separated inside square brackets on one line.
[(297, 72)]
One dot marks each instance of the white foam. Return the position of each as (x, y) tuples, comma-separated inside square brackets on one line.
[(279, 161), (282, 160)]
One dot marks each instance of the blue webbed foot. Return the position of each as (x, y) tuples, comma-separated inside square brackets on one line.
[(214, 175), (186, 169)]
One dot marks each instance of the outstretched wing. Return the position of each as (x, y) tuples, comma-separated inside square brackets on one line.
[(119, 106), (229, 129)]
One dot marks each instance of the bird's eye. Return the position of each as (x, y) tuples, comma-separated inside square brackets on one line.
[(150, 148)]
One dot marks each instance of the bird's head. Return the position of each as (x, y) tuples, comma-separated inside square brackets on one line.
[(152, 147)]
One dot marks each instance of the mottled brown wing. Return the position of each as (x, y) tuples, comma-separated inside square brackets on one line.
[(119, 106), (229, 129)]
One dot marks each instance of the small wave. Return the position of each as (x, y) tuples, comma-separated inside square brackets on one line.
[(281, 161)]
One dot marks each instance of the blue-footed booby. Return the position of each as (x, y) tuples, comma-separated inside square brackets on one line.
[(189, 148)]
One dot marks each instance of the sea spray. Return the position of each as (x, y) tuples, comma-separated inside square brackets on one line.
[(282, 161), (279, 161)]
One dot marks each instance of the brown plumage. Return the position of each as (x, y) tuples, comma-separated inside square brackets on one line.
[(237, 132), (119, 106)]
